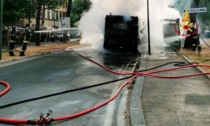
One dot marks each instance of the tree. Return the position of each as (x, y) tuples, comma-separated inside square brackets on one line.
[(78, 7), (68, 13), (38, 14), (29, 10), (13, 11), (42, 4), (50, 5), (204, 17)]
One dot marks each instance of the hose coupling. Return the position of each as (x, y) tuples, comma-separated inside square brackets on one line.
[(43, 119), (48, 113), (180, 64)]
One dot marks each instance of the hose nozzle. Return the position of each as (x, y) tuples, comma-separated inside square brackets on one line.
[(43, 120), (48, 113)]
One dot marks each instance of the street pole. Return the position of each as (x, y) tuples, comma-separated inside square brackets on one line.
[(1, 22), (148, 20)]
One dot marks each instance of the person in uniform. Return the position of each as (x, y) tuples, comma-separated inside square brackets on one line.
[(12, 41), (196, 43), (27, 36)]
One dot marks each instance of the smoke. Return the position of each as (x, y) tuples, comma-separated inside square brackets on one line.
[(158, 12), (92, 22)]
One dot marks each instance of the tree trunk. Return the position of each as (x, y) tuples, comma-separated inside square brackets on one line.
[(85, 4), (29, 21), (39, 6), (68, 13), (43, 14)]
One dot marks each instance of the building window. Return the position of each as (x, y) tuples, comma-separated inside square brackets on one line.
[(45, 14), (48, 14), (61, 14), (53, 15), (64, 14), (56, 15)]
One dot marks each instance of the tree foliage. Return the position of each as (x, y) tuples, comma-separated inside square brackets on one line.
[(41, 4), (78, 7), (68, 13), (203, 17), (13, 10), (29, 10), (53, 4), (50, 5)]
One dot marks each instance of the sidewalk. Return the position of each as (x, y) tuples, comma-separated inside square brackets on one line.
[(32, 50), (170, 102)]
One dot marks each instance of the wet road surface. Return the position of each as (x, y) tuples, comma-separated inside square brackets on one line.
[(61, 72)]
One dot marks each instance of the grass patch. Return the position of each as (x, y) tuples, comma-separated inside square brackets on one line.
[(203, 58)]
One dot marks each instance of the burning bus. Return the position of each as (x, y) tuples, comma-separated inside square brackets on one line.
[(121, 33)]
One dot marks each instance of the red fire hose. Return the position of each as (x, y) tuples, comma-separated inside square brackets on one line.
[(135, 74), (13, 121), (6, 89), (97, 106)]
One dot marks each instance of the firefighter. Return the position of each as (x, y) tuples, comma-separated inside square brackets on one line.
[(27, 36), (12, 41), (196, 43)]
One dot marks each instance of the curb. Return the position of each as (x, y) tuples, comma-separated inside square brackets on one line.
[(136, 112), (27, 58), (198, 68), (31, 57)]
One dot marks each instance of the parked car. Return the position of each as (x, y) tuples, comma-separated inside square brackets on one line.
[(75, 34), (60, 36), (207, 34)]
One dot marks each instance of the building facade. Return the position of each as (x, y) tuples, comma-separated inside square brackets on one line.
[(51, 17)]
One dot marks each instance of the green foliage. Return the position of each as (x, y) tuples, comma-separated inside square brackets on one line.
[(12, 11), (205, 16), (53, 4), (78, 7), (29, 10)]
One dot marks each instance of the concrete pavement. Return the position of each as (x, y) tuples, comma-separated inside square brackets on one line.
[(170, 102)]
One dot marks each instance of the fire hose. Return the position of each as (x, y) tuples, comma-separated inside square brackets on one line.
[(6, 89), (46, 120), (90, 86)]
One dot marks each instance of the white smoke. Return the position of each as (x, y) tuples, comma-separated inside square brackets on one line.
[(92, 23), (159, 10)]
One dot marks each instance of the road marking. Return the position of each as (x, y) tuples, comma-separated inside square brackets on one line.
[(122, 104), (111, 106)]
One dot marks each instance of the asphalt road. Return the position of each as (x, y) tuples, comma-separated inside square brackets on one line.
[(61, 72)]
